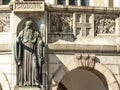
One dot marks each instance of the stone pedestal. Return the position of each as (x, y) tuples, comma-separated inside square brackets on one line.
[(27, 88)]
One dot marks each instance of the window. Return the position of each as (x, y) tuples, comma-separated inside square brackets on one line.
[(5, 2), (72, 2), (61, 1), (85, 2)]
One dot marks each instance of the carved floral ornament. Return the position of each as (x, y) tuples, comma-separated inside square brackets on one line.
[(105, 24), (85, 60), (61, 22), (4, 22)]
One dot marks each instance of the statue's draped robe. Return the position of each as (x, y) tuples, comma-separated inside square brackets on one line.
[(30, 61)]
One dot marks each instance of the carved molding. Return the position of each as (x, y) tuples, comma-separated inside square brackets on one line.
[(4, 22), (85, 60), (105, 24), (61, 23)]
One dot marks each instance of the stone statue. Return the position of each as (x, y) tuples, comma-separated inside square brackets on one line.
[(28, 52)]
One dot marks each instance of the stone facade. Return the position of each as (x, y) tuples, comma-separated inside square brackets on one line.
[(75, 36)]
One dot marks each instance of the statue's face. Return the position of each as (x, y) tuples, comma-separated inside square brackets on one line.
[(29, 24)]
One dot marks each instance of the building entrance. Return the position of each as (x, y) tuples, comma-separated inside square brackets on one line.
[(83, 79)]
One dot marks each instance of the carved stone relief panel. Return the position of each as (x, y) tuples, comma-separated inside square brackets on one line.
[(105, 24), (62, 23), (4, 22), (84, 25)]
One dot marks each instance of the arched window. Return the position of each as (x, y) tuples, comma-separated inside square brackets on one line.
[(85, 2)]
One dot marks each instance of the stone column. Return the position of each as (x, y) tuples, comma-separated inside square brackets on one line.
[(91, 3), (0, 2), (92, 24), (79, 2), (67, 2), (118, 26), (106, 3), (50, 1), (116, 3), (74, 24)]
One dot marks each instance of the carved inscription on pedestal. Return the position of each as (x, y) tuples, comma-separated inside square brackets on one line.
[(31, 6), (105, 24), (4, 22)]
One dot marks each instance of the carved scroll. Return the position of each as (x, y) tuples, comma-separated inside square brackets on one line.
[(4, 22), (61, 22), (105, 24)]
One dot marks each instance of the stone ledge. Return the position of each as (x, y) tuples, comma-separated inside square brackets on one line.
[(5, 8), (91, 9), (27, 88), (84, 48)]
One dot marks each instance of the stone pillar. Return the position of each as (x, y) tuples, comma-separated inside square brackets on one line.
[(118, 26), (67, 2), (91, 3), (92, 24), (106, 3), (116, 3), (0, 2), (74, 24), (50, 1), (79, 2)]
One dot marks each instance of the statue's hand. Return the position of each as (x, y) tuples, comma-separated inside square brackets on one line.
[(17, 40)]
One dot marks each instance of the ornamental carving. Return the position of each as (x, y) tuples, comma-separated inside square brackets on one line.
[(85, 60), (61, 23), (105, 24), (4, 22)]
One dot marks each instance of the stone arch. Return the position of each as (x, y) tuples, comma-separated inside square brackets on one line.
[(4, 81), (89, 62)]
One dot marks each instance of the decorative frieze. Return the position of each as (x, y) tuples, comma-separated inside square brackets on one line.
[(4, 22), (105, 24), (29, 6), (61, 23)]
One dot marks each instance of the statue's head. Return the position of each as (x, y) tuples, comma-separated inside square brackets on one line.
[(29, 24)]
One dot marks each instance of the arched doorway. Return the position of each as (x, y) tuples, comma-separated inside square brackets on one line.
[(83, 79)]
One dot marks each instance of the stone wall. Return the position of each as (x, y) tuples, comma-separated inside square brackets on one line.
[(66, 61)]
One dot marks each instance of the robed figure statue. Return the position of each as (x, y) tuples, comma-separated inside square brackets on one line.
[(28, 52)]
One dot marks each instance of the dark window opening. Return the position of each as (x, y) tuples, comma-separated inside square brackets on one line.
[(5, 2), (72, 2), (61, 2), (85, 2)]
